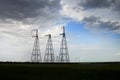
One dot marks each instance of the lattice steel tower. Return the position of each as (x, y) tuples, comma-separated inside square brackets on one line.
[(64, 55), (49, 52), (36, 54)]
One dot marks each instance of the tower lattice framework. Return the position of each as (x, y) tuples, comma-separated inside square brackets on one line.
[(36, 54), (49, 52), (64, 55)]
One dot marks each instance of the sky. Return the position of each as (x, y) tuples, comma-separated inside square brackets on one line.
[(92, 28)]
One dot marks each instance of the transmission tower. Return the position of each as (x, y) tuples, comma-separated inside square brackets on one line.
[(49, 52), (36, 54), (64, 55), (57, 58)]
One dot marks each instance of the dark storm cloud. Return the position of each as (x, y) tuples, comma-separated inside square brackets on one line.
[(96, 3), (22, 9), (91, 4), (112, 26), (91, 19), (117, 6), (99, 24)]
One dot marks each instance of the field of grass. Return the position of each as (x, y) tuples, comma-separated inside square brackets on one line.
[(59, 71)]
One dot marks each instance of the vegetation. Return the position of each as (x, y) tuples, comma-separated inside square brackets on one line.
[(59, 71)]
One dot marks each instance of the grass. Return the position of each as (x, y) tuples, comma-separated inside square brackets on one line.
[(59, 71)]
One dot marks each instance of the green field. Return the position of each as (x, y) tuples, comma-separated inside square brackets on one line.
[(58, 71)]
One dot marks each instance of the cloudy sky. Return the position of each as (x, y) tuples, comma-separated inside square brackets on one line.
[(92, 28)]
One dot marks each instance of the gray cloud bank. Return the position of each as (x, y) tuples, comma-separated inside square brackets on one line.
[(18, 16), (90, 4), (93, 22), (22, 9)]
